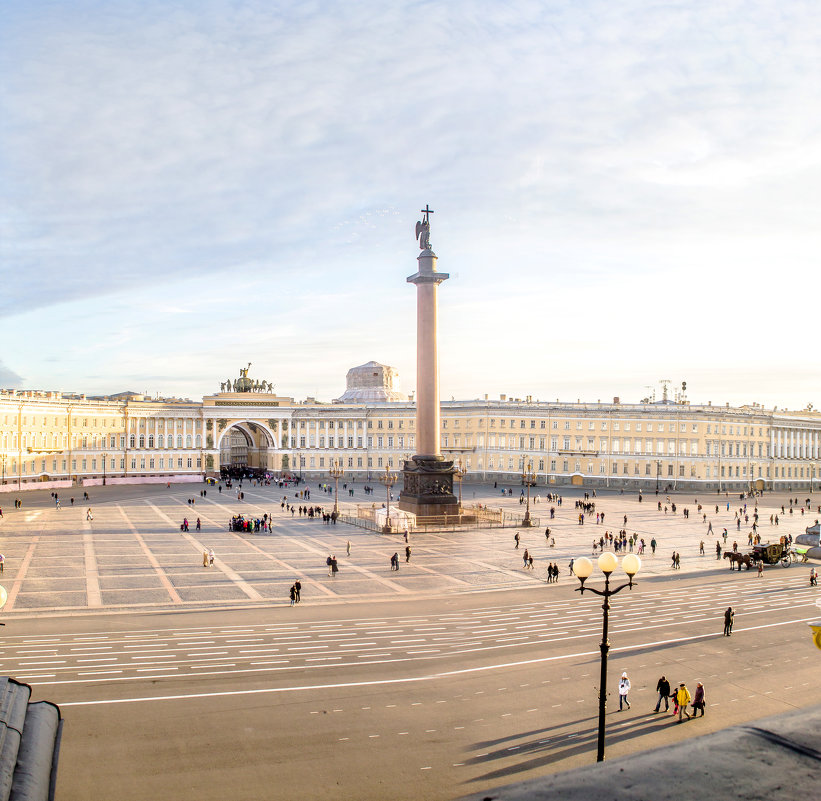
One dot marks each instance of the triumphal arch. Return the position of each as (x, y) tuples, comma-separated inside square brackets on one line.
[(247, 425)]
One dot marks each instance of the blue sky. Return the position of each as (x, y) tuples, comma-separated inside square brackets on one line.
[(623, 192)]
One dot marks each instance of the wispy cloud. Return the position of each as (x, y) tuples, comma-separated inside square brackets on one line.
[(638, 176)]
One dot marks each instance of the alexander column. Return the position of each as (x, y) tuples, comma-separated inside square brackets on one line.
[(428, 478)]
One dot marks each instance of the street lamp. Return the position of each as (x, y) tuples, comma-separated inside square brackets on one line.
[(3, 457), (388, 479), (458, 474), (658, 473), (528, 479), (583, 567), (336, 471), (105, 456)]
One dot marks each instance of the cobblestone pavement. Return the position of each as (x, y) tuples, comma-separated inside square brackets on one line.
[(133, 556)]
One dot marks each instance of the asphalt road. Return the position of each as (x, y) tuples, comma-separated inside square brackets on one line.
[(408, 698)]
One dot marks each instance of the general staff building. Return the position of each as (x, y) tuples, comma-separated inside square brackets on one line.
[(56, 439)]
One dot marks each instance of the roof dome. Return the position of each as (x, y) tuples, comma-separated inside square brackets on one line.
[(372, 383)]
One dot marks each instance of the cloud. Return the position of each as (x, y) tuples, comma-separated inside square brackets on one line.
[(181, 182), (8, 378)]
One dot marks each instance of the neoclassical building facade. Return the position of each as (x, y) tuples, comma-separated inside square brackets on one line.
[(56, 439)]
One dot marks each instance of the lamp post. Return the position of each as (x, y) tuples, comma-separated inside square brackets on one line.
[(528, 479), (388, 479), (583, 567), (658, 473), (458, 474), (105, 456), (336, 471), (3, 457)]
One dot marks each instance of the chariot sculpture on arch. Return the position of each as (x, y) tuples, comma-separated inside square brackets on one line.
[(245, 384)]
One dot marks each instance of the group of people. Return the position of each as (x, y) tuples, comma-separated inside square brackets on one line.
[(208, 558), (680, 697), (296, 592)]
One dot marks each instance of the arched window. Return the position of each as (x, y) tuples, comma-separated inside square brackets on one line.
[(160, 440), (150, 440), (179, 440), (142, 440), (188, 441), (199, 440), (131, 441)]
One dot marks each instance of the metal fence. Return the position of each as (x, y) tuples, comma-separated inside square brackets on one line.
[(472, 517)]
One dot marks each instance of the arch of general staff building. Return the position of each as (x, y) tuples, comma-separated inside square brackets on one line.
[(55, 439)]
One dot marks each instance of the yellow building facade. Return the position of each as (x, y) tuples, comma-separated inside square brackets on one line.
[(52, 439)]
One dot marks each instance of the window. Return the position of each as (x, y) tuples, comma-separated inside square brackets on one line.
[(179, 443), (150, 440), (187, 440), (553, 465), (131, 440)]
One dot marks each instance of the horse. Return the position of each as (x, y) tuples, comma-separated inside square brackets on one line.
[(738, 559)]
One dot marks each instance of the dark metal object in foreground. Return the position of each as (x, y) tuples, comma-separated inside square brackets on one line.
[(29, 743)]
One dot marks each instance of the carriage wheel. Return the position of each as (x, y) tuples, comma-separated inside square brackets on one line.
[(786, 561)]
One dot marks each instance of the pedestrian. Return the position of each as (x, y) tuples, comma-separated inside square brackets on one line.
[(624, 690), (813, 574), (663, 689), (395, 559), (298, 590), (2, 562), (292, 593), (572, 561), (328, 562), (761, 569), (516, 538), (682, 699), (205, 558), (729, 616), (210, 557), (348, 547), (698, 700), (89, 516), (718, 550), (334, 567), (525, 558), (407, 553), (653, 546), (199, 525), (701, 548)]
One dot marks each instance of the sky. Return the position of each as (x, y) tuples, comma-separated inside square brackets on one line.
[(622, 193)]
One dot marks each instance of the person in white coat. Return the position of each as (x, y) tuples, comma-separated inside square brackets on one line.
[(624, 689)]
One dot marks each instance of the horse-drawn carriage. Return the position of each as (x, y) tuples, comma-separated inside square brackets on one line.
[(772, 553), (767, 554)]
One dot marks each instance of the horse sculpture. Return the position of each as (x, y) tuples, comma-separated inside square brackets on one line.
[(738, 559)]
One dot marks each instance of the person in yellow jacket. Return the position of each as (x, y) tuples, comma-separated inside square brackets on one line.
[(682, 699)]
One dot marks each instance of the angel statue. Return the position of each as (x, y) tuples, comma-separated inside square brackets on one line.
[(423, 228), (423, 234)]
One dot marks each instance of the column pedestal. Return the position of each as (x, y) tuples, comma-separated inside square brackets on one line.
[(428, 487)]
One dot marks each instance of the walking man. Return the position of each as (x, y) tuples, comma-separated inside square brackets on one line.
[(517, 541), (624, 690), (682, 699), (729, 614), (407, 553), (663, 689), (297, 590)]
